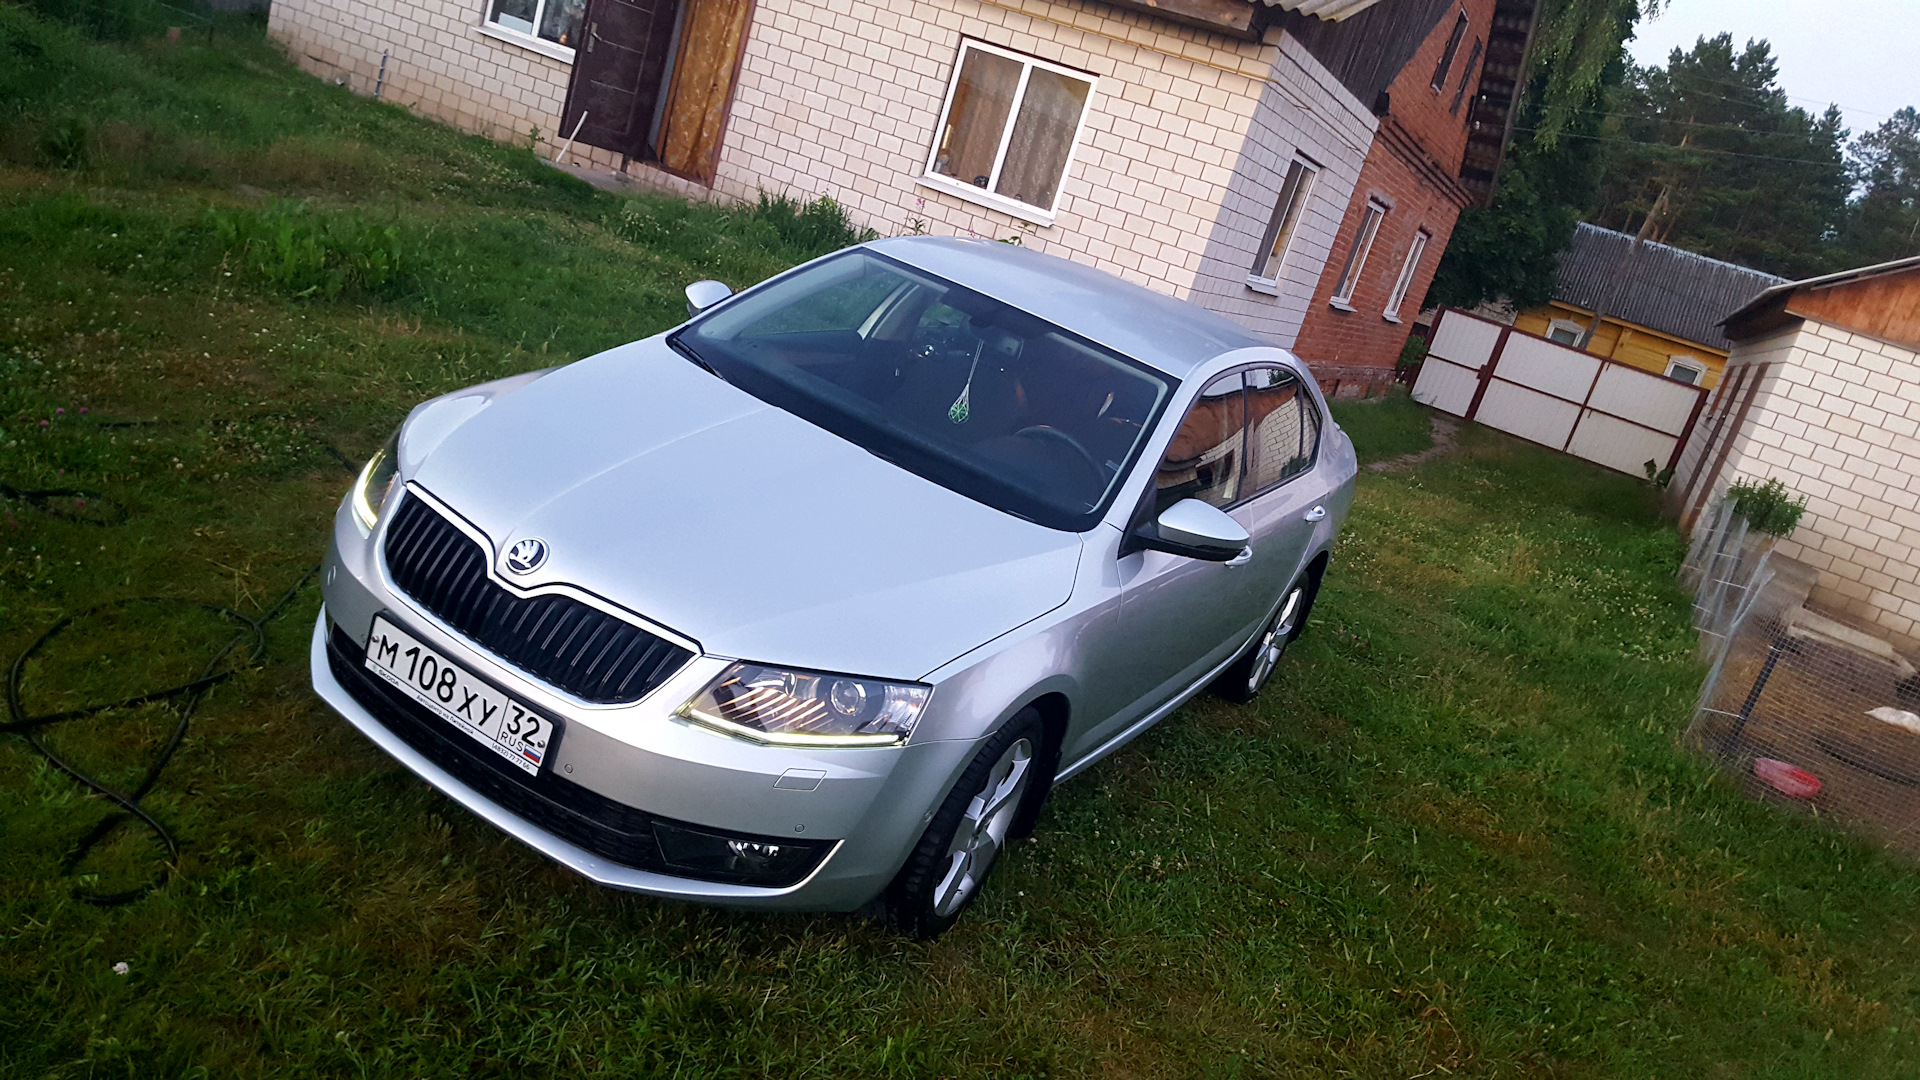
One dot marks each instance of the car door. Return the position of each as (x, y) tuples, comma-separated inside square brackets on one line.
[(1181, 616), (1281, 506)]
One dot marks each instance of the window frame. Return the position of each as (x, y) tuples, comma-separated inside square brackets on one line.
[(987, 196), (533, 41), (1565, 324), (1356, 264), (1296, 190), (1408, 270), (1691, 363), (1453, 50), (1466, 74), (1149, 498)]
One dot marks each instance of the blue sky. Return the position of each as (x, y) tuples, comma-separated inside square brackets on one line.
[(1863, 55)]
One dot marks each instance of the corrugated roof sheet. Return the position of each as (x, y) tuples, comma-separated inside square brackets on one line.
[(1330, 10), (1673, 291)]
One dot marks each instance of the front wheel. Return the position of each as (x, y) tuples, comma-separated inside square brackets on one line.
[(963, 842), (1242, 681)]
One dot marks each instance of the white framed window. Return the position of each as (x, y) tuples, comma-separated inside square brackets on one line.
[(1008, 129), (1274, 245), (1687, 369), (1357, 254), (1565, 331), (552, 27), (1407, 271)]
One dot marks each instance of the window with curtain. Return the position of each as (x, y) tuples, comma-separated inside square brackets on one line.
[(1294, 192), (1357, 254), (1407, 270), (1009, 128), (555, 21)]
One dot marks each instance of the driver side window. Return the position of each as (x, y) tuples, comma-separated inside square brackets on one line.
[(1204, 459)]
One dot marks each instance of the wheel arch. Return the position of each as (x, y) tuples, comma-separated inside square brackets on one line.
[(1055, 710), (1316, 570)]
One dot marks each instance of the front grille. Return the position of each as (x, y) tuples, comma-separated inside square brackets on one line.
[(586, 819), (557, 639)]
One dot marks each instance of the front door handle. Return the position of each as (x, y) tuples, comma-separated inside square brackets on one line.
[(1317, 513), (1242, 559)]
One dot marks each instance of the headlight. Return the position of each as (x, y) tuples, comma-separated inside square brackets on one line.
[(375, 480), (808, 708)]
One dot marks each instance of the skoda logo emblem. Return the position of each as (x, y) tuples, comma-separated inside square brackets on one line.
[(527, 555)]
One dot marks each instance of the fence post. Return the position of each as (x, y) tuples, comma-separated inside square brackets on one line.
[(1486, 373)]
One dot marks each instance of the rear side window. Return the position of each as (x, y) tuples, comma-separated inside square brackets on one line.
[(1283, 428), (1204, 459)]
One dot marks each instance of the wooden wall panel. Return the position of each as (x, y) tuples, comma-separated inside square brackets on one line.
[(1886, 306)]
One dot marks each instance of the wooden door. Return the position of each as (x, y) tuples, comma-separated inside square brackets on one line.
[(617, 72)]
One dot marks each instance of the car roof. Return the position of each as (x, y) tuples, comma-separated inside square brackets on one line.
[(1171, 335)]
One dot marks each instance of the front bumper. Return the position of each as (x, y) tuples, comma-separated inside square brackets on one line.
[(870, 805)]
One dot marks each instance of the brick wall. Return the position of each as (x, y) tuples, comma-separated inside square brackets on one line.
[(1176, 174), (1302, 112), (841, 99), (1837, 419), (1413, 168), (439, 63)]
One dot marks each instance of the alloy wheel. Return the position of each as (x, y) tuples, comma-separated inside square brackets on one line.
[(1273, 643), (983, 830)]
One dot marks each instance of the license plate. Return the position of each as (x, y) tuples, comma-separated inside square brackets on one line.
[(512, 730)]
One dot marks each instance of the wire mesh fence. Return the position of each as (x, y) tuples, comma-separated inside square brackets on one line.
[(1808, 711)]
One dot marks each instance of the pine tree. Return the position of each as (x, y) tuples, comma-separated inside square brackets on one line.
[(1752, 179)]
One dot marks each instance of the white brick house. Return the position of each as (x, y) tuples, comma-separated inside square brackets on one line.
[(1822, 392), (1108, 132)]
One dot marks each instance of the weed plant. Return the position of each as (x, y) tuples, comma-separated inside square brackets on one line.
[(1455, 836)]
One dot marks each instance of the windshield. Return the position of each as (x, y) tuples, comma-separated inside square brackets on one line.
[(954, 386)]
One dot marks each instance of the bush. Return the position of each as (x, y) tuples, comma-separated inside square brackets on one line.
[(817, 227), (1769, 508), (305, 254), (800, 230), (1411, 353)]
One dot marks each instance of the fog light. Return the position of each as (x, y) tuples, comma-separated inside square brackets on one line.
[(718, 857)]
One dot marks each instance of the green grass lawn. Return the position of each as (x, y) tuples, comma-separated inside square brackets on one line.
[(1384, 427), (1455, 837)]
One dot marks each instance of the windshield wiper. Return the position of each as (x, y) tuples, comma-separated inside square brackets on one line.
[(687, 351)]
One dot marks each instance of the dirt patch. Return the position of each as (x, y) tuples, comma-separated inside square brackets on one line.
[(1445, 434)]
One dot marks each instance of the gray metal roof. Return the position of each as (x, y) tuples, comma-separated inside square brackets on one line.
[(1673, 291)]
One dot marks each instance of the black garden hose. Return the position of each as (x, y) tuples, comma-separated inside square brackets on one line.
[(247, 646)]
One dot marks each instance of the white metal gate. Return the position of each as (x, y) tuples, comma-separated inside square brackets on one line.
[(1555, 395)]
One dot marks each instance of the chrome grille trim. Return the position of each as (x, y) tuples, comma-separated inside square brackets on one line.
[(580, 648)]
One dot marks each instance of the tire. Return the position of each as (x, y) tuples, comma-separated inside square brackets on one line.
[(963, 842), (1242, 681)]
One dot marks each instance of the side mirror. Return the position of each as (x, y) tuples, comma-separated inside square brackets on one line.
[(1195, 530), (702, 295)]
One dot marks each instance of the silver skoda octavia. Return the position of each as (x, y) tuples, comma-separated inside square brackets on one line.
[(809, 602)]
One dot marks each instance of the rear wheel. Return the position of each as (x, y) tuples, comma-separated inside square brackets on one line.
[(963, 842), (1242, 681)]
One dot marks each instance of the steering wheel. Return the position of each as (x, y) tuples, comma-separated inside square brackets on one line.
[(1054, 434)]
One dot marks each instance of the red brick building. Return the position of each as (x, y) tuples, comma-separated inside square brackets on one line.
[(1444, 122)]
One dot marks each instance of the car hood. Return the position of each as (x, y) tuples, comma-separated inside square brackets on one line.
[(757, 534)]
